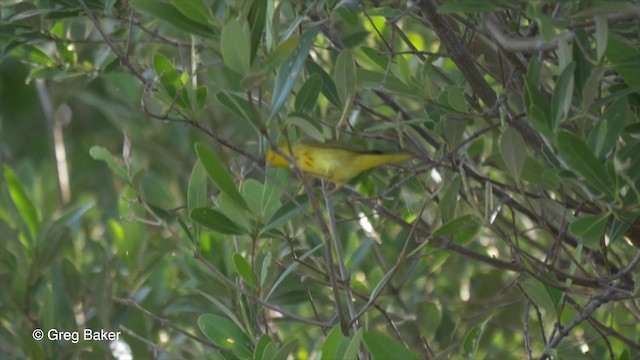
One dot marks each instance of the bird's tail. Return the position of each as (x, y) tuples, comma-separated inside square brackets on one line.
[(374, 160)]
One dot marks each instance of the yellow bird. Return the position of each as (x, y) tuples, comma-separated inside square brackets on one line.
[(333, 162)]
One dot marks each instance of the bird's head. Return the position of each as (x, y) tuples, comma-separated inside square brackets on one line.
[(276, 159)]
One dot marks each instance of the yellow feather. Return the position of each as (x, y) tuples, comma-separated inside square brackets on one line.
[(332, 162)]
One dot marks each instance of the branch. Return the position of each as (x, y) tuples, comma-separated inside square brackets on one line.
[(124, 60), (466, 64), (459, 53), (163, 321), (537, 44), (257, 299), (591, 307)]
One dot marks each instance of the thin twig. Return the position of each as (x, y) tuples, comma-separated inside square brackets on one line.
[(198, 256), (163, 321), (345, 277)]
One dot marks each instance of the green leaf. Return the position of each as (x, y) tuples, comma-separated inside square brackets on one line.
[(351, 352), (23, 203), (624, 58), (589, 228), (539, 121), (331, 343), (264, 272), (456, 99), (449, 200), (281, 53), (243, 268), (269, 352), (329, 89), (257, 19), (226, 334), (377, 80), (360, 253), (308, 94), (72, 217), (235, 44), (216, 221), (472, 6), (583, 65), (195, 10), (29, 54), (275, 181), (380, 60), (288, 72), (167, 12), (252, 191), (591, 86), (55, 242), (230, 209), (402, 70), (309, 126), (153, 190), (545, 24), (225, 310), (472, 339), (514, 151), (201, 97), (292, 267), (115, 164), (534, 72), (286, 350), (540, 295), (218, 173), (197, 189), (261, 346), (461, 229), (532, 170), (432, 311), (633, 130), (171, 81), (580, 159), (239, 106), (453, 131), (538, 107), (562, 95), (382, 347), (286, 212), (602, 33), (605, 135), (345, 76), (254, 80), (381, 127)]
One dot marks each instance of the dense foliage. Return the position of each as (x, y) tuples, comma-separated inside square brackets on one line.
[(135, 196)]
